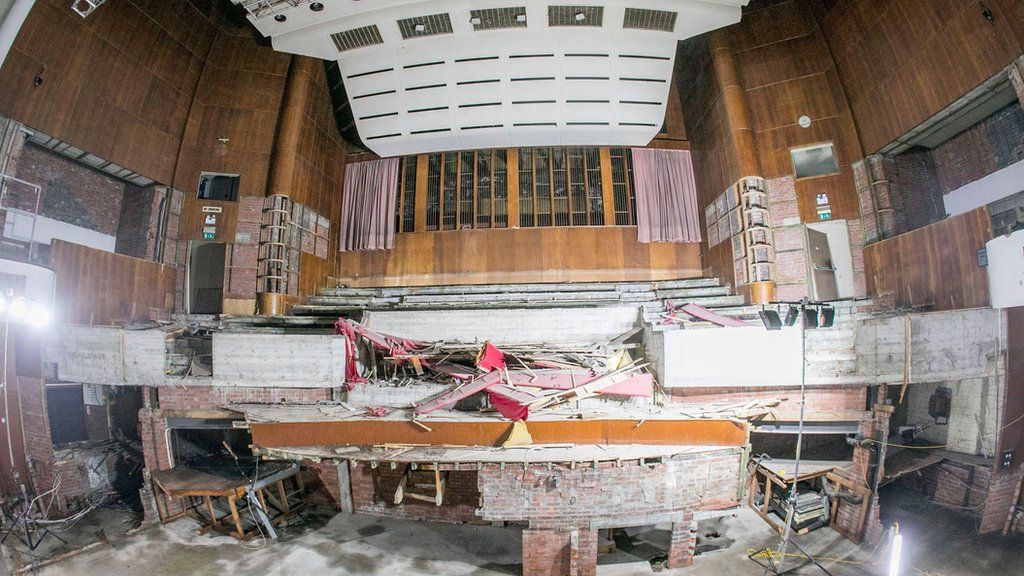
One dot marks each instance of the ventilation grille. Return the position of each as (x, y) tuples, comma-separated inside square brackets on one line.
[(643, 19), (357, 38), (568, 15), (494, 18), (432, 25)]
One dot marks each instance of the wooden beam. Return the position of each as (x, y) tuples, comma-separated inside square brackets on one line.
[(420, 218), (607, 190), (366, 432), (512, 177)]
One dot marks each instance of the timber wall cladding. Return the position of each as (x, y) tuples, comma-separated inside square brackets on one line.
[(786, 71), (559, 254), (97, 287), (903, 61), (118, 84), (934, 267), (714, 157)]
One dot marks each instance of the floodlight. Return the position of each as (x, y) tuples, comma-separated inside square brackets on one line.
[(771, 319), (810, 318), (18, 309), (791, 315), (38, 315), (828, 317)]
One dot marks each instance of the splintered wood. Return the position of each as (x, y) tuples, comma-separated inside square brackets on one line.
[(516, 379)]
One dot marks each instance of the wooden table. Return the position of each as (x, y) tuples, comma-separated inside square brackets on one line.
[(200, 492), (779, 475)]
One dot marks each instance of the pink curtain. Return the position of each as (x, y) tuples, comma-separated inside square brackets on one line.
[(666, 196), (368, 205)]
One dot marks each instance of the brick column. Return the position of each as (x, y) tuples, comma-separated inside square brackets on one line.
[(684, 541), (1017, 77), (559, 552)]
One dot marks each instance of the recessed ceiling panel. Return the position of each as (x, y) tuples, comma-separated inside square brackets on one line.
[(424, 76)]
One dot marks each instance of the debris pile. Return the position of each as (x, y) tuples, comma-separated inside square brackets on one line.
[(516, 379)]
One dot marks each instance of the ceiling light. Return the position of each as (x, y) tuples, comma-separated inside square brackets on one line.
[(475, 21), (580, 16), (316, 6), (280, 17), (421, 28)]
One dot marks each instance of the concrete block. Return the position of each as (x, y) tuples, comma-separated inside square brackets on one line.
[(507, 326), (273, 360), (107, 355)]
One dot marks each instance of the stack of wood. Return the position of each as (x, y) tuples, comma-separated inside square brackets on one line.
[(517, 379)]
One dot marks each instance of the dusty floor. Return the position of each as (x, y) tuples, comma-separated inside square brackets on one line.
[(937, 543)]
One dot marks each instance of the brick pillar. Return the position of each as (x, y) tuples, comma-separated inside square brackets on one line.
[(1003, 491), (559, 552), (684, 541), (1017, 77), (874, 194)]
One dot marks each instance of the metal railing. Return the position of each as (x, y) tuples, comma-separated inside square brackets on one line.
[(19, 208)]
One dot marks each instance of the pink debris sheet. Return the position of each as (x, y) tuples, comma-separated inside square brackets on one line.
[(512, 380)]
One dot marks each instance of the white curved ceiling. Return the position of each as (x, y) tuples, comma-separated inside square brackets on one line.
[(427, 76)]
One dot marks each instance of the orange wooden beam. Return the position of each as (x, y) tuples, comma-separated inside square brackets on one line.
[(493, 432)]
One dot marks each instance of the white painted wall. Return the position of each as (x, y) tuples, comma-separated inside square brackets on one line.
[(19, 227), (507, 326), (730, 357), (1006, 270), (39, 280), (12, 16), (995, 186)]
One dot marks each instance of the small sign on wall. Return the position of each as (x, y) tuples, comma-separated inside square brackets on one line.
[(212, 209), (92, 394)]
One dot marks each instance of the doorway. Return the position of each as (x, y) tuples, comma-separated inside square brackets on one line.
[(205, 278), (830, 261)]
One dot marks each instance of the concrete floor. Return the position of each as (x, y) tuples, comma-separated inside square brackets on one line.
[(937, 543)]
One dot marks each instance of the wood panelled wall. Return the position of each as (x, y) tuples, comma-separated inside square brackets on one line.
[(559, 254), (715, 162), (118, 84), (935, 267), (902, 61), (98, 287), (786, 71)]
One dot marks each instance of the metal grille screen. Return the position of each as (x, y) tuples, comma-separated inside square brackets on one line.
[(575, 15), (495, 18), (357, 38), (643, 19), (432, 25)]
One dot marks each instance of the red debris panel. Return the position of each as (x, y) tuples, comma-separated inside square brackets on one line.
[(490, 358), (541, 375), (702, 313), (449, 397)]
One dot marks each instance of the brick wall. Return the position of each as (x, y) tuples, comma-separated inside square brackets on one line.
[(917, 200), (822, 398), (373, 492), (992, 144), (71, 192), (563, 497), (203, 397), (139, 221)]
